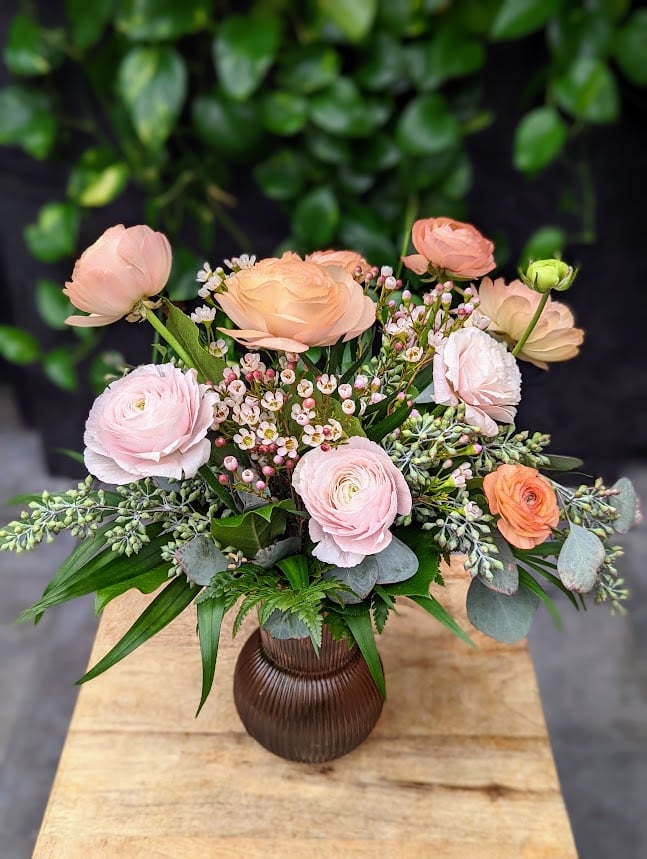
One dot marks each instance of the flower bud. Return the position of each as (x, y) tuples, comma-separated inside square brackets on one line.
[(546, 274)]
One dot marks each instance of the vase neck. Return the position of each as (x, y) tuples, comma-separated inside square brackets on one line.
[(298, 655)]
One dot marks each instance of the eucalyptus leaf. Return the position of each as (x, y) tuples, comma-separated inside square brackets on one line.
[(200, 560), (360, 579), (426, 395), (505, 581), (558, 462), (625, 504), (581, 557), (505, 618), (285, 624), (396, 563)]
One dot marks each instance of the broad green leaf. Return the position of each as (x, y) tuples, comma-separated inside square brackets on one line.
[(538, 139), (450, 54), (343, 110), (254, 529), (159, 20), (308, 68), (18, 346), (27, 120), (200, 559), (427, 127), (152, 84), (327, 147), (285, 624), (186, 332), (105, 368), (367, 237), (383, 68), (283, 175), (98, 177), (284, 113), (630, 48), (88, 20), (588, 91), (558, 462), (573, 34), (228, 126), (210, 615), (379, 153), (243, 51), (625, 504), (31, 50), (316, 217), (545, 243), (145, 583), (360, 579), (396, 563), (53, 236), (378, 431), (517, 18), (581, 557), (52, 304), (426, 552), (294, 568), (353, 17), (435, 609), (165, 607), (60, 368), (506, 618), (361, 628)]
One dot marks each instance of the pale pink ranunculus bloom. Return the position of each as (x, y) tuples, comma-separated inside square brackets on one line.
[(350, 261), (151, 423), (472, 367), (353, 494), (291, 304), (510, 307), (453, 247), (124, 266)]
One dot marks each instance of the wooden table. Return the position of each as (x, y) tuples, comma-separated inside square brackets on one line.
[(458, 767)]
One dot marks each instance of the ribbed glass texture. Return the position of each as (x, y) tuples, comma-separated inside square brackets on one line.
[(301, 706)]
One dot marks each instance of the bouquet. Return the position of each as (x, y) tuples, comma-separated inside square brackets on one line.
[(316, 436)]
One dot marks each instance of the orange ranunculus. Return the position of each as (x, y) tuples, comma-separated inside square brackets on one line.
[(292, 304), (452, 247), (350, 261), (510, 307), (123, 267), (525, 502)]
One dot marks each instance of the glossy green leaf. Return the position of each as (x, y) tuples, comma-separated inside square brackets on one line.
[(517, 18), (353, 17), (98, 177), (27, 120), (630, 48), (107, 366), (581, 557), (294, 568), (145, 583), (52, 304), (18, 346), (574, 34), (229, 127), (187, 334), (342, 109), (361, 628), (538, 140), (31, 50), (210, 615), (284, 113), (545, 243), (588, 91), (367, 237), (505, 618), (379, 153), (60, 368), (165, 607), (383, 67), (158, 20), (450, 54), (316, 217), (88, 20), (254, 529), (329, 148), (308, 68), (427, 127), (152, 84), (53, 236), (283, 175), (243, 51)]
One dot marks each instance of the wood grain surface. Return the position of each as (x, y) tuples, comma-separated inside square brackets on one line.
[(458, 767)]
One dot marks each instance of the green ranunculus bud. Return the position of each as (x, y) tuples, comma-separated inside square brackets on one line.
[(546, 274)]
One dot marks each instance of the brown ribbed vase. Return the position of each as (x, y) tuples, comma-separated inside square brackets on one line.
[(301, 706)]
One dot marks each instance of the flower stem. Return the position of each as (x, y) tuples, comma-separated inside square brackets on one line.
[(531, 325), (409, 218), (159, 326)]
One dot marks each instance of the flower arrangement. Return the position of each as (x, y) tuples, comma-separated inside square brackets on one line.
[(315, 437)]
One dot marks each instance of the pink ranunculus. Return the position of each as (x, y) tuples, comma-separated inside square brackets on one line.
[(151, 423), (510, 307), (124, 266), (350, 261), (472, 367), (456, 249), (353, 494), (291, 304)]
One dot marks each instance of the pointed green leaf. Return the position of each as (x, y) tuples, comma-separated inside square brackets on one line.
[(252, 530), (159, 20), (88, 20), (316, 217), (517, 18), (361, 627), (538, 140), (528, 581), (60, 368), (562, 463), (165, 607), (295, 568), (52, 304), (505, 618), (31, 50), (427, 127), (626, 505), (18, 346), (53, 236), (98, 177), (378, 431), (629, 48), (581, 557), (145, 583), (426, 550), (435, 609), (588, 90), (27, 120), (187, 334), (210, 615)]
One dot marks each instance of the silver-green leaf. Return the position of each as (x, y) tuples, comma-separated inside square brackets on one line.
[(506, 618), (201, 559), (285, 624), (396, 563), (505, 581), (360, 579), (580, 559), (625, 503)]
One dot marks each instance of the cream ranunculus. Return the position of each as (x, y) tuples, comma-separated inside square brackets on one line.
[(291, 304), (124, 266), (471, 367), (510, 307), (350, 261), (453, 248)]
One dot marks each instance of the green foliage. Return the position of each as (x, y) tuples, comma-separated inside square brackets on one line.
[(88, 20), (52, 304), (18, 346), (629, 48), (98, 177), (161, 20), (210, 615), (581, 557), (539, 138), (243, 51), (60, 368), (32, 50), (506, 618), (53, 236), (27, 120), (254, 529)]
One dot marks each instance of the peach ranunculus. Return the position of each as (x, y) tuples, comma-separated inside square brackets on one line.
[(123, 267), (526, 503), (472, 367), (353, 494), (291, 304), (453, 249), (350, 261), (151, 423), (510, 307)]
